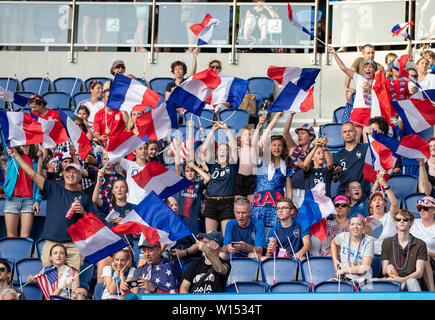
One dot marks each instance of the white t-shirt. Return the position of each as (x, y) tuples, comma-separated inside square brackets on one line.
[(428, 82), (93, 108), (389, 230), (359, 94), (108, 272), (418, 230), (135, 193)]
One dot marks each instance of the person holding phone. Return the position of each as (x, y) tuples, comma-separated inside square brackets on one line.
[(116, 276)]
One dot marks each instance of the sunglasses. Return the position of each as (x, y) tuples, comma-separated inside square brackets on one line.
[(2, 269), (215, 67), (120, 66), (341, 205), (401, 219), (422, 209), (283, 208)]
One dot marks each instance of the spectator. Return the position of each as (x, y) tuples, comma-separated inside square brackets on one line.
[(118, 66), (353, 244), (430, 56), (336, 225), (404, 256), (158, 275), (152, 150), (67, 278), (314, 169), (273, 177), (116, 275), (59, 200), (244, 235), (96, 12), (425, 79), (358, 199), (351, 160), (81, 293), (292, 241), (298, 152), (208, 274), (5, 277), (9, 294), (378, 124), (413, 74), (219, 199), (399, 88), (95, 102), (142, 16), (380, 224), (132, 168), (131, 124), (424, 229), (83, 114), (38, 107), (426, 175), (258, 16)]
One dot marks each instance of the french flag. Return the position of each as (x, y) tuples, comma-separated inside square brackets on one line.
[(159, 179), (193, 93), (304, 78), (204, 30), (417, 114), (411, 146), (290, 99), (425, 94), (296, 23), (231, 89), (153, 212), (13, 97), (313, 211), (121, 145), (77, 136), (158, 123), (93, 239), (401, 30), (127, 93), (379, 157), (399, 64)]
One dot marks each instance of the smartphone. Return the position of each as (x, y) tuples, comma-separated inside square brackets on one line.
[(133, 284)]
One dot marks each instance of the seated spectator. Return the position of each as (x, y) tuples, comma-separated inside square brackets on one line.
[(152, 150), (404, 256), (81, 293), (118, 66), (116, 275), (5, 277), (94, 103), (358, 199), (67, 278), (38, 107), (208, 274), (430, 56), (82, 121), (425, 79), (314, 170), (244, 235), (380, 222), (9, 294), (158, 275), (426, 175), (131, 124), (424, 229), (287, 239), (355, 250), (258, 17)]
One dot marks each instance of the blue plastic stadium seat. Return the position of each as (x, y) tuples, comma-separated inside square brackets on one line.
[(101, 79), (410, 166), (57, 99), (338, 114), (79, 97), (38, 227), (403, 184), (234, 118), (291, 286), (205, 120), (143, 81), (376, 265), (334, 286), (278, 270), (322, 269), (159, 85), (247, 287), (98, 291), (38, 247), (10, 84), (333, 132), (16, 248), (36, 85), (410, 201), (243, 269), (262, 86), (68, 85), (31, 292), (26, 267), (380, 286)]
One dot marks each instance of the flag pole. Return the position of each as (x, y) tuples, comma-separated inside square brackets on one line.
[(309, 270), (280, 244)]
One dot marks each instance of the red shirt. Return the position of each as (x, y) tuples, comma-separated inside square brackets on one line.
[(24, 185), (115, 122), (50, 115)]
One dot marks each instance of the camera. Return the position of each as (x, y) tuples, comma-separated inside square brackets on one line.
[(133, 284)]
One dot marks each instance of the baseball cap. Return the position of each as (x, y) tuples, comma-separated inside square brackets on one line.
[(370, 61), (213, 235), (147, 244), (341, 198), (307, 127), (118, 63), (377, 193), (75, 166), (427, 201)]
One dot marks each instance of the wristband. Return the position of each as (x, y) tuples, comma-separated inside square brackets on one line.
[(387, 188)]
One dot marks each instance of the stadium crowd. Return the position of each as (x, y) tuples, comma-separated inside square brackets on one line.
[(244, 201)]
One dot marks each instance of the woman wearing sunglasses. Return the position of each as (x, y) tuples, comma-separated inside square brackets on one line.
[(424, 229), (5, 277)]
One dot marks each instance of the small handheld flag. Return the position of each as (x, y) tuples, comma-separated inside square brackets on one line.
[(401, 30), (204, 30)]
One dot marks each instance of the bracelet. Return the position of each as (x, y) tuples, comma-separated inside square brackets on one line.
[(387, 188)]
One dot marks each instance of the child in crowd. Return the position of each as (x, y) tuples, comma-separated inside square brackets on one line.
[(116, 275)]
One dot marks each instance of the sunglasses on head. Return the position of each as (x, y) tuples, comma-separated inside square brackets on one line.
[(426, 202), (341, 205), (94, 83), (401, 219)]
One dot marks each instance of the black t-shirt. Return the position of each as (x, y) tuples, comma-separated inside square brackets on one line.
[(316, 176), (222, 180), (203, 277)]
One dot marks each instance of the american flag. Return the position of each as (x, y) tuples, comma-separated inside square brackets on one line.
[(346, 113), (47, 282), (162, 276), (183, 148)]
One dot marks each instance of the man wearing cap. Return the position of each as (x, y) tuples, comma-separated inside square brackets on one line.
[(118, 66), (298, 152), (59, 202), (158, 274), (208, 274)]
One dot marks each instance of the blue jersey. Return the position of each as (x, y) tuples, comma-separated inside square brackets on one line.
[(294, 233)]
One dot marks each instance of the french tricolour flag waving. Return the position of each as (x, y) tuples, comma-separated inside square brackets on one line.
[(379, 157), (417, 114), (77, 136), (304, 78), (159, 179), (14, 97), (153, 212), (193, 93), (122, 144), (296, 23), (399, 64), (401, 30), (231, 89), (290, 99), (93, 239), (204, 30), (313, 211), (411, 146), (127, 93), (158, 123)]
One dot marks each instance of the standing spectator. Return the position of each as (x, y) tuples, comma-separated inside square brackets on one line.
[(298, 152), (116, 275), (244, 235), (404, 256), (350, 159), (208, 274), (96, 12), (430, 56), (258, 16), (398, 88), (118, 66), (358, 199), (95, 102), (5, 277), (425, 79), (426, 175), (133, 167), (82, 121), (142, 16)]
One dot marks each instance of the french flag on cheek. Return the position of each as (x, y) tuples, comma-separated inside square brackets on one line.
[(193, 93), (127, 93), (204, 30)]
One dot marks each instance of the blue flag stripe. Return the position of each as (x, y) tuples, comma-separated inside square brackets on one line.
[(106, 251), (118, 91)]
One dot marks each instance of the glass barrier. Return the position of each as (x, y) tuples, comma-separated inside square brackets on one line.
[(34, 23), (267, 25), (174, 21), (113, 24), (361, 22), (425, 20)]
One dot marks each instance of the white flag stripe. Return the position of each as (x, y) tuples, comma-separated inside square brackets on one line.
[(125, 148), (162, 121), (102, 238), (197, 88), (160, 182), (17, 135), (415, 118)]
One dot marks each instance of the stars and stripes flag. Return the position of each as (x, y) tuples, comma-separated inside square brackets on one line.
[(183, 149), (162, 276), (47, 282), (346, 112)]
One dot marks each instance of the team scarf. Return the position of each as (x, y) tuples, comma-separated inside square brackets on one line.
[(298, 153)]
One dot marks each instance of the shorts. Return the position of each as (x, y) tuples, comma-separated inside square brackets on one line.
[(245, 185), (360, 116), (74, 259), (219, 210), (19, 205)]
